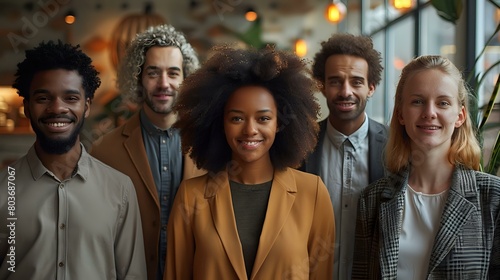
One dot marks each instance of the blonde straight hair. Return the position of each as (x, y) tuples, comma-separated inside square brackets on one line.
[(464, 148)]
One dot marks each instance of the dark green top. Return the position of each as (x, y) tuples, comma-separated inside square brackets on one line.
[(250, 206)]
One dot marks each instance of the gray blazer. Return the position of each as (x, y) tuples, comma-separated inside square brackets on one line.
[(467, 244), (377, 138)]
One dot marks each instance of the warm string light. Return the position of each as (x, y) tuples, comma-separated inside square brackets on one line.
[(402, 4), (335, 12), (251, 15), (70, 18), (300, 47)]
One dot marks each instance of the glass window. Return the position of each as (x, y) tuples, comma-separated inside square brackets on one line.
[(376, 106), (438, 41), (492, 53), (399, 50)]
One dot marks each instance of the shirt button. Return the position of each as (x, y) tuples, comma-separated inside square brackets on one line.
[(61, 186), (164, 227), (165, 197), (165, 168), (163, 141), (61, 264), (62, 226)]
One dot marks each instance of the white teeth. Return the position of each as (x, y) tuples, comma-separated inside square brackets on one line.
[(250, 143), (57, 124), (430, 127)]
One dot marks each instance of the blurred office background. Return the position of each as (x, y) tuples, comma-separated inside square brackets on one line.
[(401, 30)]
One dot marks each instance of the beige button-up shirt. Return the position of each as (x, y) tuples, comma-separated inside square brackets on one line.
[(85, 227)]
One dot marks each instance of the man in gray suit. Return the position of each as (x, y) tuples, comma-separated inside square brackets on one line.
[(349, 152)]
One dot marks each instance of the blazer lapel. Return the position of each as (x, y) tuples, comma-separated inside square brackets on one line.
[(218, 195), (391, 213), (135, 147), (281, 200), (313, 161), (457, 211), (376, 142)]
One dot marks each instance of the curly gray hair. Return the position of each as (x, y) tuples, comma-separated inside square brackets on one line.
[(129, 71)]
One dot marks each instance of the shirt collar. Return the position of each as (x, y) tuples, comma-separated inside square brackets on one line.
[(38, 169), (150, 128), (337, 138)]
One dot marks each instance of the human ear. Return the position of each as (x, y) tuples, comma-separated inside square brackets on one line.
[(87, 107), (461, 117), (26, 108)]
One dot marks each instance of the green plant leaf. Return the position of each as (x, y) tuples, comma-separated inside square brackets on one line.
[(483, 50), (491, 104), (494, 162), (496, 3), (449, 10)]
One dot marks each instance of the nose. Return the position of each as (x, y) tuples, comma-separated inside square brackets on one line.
[(250, 128), (429, 111), (57, 106), (165, 82), (345, 89)]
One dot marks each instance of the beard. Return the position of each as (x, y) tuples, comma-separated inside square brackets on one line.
[(159, 108), (347, 116), (57, 146)]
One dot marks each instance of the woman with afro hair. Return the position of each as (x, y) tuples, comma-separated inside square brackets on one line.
[(248, 117)]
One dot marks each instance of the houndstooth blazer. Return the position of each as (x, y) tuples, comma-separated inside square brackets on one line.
[(467, 245)]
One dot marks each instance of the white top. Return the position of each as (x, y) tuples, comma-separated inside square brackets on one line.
[(344, 169), (421, 219)]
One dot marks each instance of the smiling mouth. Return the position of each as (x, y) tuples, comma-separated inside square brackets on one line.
[(251, 143), (60, 124), (429, 127)]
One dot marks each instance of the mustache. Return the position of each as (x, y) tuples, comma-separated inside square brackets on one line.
[(343, 99), (58, 116)]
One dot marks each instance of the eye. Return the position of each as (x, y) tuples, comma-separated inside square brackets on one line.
[(174, 74), (264, 119), (72, 98), (41, 99), (334, 82), (358, 83), (236, 119), (444, 103), (417, 101), (153, 74)]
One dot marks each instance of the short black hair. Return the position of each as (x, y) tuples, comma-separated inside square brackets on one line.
[(52, 56), (349, 44), (204, 94)]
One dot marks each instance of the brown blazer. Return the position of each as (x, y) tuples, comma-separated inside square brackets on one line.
[(296, 242), (123, 149)]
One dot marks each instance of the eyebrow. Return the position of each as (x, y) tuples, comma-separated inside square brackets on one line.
[(331, 77), (45, 91), (153, 67), (259, 111)]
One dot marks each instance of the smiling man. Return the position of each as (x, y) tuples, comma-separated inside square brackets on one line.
[(147, 148), (349, 152), (70, 215)]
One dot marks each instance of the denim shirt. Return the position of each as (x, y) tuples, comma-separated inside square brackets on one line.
[(163, 148)]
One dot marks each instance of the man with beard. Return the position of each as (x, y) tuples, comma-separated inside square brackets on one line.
[(349, 152), (68, 215), (147, 148)]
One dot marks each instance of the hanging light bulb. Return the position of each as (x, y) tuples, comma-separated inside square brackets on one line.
[(335, 12), (70, 17), (402, 5), (300, 47), (251, 15)]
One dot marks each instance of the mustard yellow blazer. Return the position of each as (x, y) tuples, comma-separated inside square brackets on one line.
[(297, 239)]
